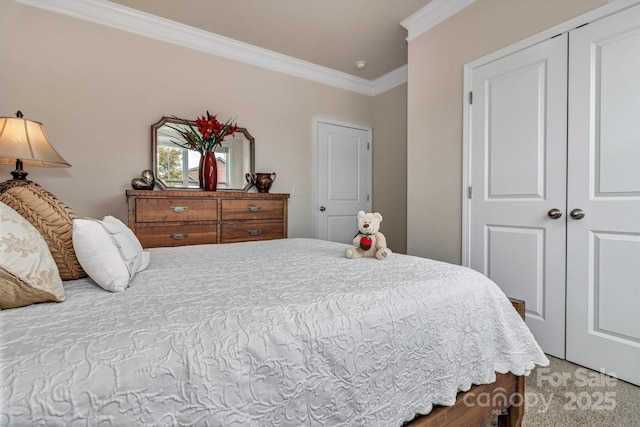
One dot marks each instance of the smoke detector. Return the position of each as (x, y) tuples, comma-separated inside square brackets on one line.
[(361, 65)]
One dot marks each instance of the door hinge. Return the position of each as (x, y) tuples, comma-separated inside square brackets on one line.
[(368, 146), (470, 97), (367, 197), (470, 191)]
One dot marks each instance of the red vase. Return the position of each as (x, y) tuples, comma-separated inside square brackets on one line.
[(208, 171)]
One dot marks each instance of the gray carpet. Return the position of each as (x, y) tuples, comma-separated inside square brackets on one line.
[(568, 395)]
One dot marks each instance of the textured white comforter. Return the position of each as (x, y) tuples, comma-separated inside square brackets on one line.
[(283, 332)]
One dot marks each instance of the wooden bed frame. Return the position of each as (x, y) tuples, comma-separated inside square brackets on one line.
[(505, 401)]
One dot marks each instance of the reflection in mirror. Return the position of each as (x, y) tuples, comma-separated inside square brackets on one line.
[(177, 167)]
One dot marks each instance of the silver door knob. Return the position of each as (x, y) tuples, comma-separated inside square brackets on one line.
[(322, 209), (555, 213), (577, 214)]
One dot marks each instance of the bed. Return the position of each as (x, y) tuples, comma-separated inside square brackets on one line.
[(280, 332)]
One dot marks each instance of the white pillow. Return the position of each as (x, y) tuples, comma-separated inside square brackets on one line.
[(108, 252), (28, 272)]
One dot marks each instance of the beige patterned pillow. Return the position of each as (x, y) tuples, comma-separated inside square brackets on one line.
[(28, 273), (53, 219)]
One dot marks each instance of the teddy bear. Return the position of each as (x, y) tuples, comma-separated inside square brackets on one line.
[(369, 242)]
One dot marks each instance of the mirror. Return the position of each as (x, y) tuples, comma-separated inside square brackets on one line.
[(177, 168)]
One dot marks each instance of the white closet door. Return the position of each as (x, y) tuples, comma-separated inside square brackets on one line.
[(518, 175), (603, 248), (343, 180)]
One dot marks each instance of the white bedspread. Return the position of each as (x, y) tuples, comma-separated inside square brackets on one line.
[(274, 333)]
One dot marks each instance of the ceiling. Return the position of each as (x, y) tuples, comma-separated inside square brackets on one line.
[(331, 33)]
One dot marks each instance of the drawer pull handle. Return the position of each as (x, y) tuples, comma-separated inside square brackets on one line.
[(179, 236), (179, 209), (254, 208), (254, 232)]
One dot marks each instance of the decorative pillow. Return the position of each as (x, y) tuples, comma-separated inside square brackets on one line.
[(108, 251), (28, 273), (53, 219)]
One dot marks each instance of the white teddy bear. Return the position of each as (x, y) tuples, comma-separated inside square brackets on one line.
[(369, 242)]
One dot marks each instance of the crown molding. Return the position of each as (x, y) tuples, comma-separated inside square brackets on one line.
[(389, 80), (431, 15), (127, 19)]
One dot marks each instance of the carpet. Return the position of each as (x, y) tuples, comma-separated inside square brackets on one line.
[(569, 395)]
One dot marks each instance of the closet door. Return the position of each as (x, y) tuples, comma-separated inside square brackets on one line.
[(518, 179), (603, 246)]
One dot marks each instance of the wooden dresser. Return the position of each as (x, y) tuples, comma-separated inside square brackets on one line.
[(182, 217)]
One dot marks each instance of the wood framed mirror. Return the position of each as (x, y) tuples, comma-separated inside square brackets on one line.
[(176, 167)]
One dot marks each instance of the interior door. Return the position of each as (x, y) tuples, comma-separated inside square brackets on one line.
[(343, 179), (518, 182), (603, 253)]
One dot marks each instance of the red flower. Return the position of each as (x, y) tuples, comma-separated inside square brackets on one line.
[(207, 133)]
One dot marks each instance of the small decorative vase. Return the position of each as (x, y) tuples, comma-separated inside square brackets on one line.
[(208, 171), (261, 180)]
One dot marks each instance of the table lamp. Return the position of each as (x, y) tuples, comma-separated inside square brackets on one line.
[(25, 143)]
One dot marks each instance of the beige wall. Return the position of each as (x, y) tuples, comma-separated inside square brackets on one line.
[(435, 99), (97, 90), (390, 165)]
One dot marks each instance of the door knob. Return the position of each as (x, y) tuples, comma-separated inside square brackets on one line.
[(577, 214), (555, 213), (322, 209)]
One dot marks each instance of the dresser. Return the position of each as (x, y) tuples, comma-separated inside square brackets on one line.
[(183, 217)]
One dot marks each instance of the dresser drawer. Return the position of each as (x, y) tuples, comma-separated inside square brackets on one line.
[(176, 209), (245, 231), (181, 217), (152, 236), (252, 209)]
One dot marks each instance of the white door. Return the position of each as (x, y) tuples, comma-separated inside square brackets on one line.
[(603, 247), (517, 178), (343, 181)]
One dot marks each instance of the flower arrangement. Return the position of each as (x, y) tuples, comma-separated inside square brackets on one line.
[(206, 134)]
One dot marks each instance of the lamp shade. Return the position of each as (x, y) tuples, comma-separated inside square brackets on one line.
[(25, 140)]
